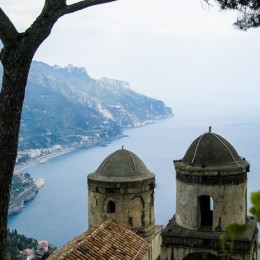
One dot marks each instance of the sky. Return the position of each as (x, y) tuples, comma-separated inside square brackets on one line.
[(185, 53)]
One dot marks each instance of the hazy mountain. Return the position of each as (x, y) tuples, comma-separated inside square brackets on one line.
[(66, 105)]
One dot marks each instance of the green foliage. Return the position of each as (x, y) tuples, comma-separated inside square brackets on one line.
[(17, 243), (236, 230), (255, 209), (19, 184), (233, 231), (249, 12), (223, 240)]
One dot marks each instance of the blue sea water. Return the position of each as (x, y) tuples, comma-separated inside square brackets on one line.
[(59, 212)]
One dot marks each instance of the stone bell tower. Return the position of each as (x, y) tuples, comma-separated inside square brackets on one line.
[(122, 188), (211, 193)]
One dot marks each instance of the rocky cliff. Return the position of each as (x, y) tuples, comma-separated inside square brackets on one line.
[(23, 190), (66, 106)]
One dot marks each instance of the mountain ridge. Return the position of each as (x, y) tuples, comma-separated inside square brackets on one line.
[(66, 106)]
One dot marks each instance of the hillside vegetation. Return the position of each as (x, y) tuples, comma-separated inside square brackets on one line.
[(66, 106)]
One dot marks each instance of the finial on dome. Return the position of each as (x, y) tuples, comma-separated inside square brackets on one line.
[(209, 129)]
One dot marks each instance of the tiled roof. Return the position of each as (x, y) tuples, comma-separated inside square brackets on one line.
[(28, 251), (107, 241), (43, 244)]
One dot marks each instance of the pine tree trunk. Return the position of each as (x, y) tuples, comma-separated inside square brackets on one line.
[(16, 57), (16, 69)]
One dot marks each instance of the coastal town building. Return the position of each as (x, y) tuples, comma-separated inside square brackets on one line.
[(43, 245), (211, 193), (28, 254), (25, 155)]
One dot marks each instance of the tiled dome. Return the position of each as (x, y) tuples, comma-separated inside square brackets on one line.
[(211, 149), (122, 165)]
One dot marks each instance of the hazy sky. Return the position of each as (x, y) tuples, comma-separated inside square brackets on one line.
[(183, 52)]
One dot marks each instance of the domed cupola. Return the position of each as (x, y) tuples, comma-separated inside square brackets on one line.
[(122, 188), (211, 149), (211, 184), (122, 165), (212, 153)]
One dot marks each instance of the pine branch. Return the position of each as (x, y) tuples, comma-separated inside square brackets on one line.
[(84, 4), (8, 32)]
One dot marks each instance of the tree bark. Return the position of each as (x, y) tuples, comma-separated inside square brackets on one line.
[(11, 101), (16, 57)]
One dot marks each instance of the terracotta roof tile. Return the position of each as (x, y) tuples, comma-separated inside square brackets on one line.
[(107, 241)]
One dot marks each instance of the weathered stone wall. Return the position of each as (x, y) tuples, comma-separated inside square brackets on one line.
[(134, 206), (184, 242), (179, 253), (156, 244), (229, 204)]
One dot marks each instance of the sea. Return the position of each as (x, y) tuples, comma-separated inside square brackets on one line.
[(60, 210)]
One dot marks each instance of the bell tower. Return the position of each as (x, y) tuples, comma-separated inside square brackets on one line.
[(122, 188), (211, 193)]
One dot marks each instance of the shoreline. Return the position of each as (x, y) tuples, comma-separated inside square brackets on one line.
[(42, 159)]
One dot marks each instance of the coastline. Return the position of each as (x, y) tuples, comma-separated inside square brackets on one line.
[(17, 204), (41, 159), (44, 158)]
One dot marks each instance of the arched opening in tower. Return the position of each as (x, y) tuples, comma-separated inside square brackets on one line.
[(206, 211), (111, 207), (138, 211)]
